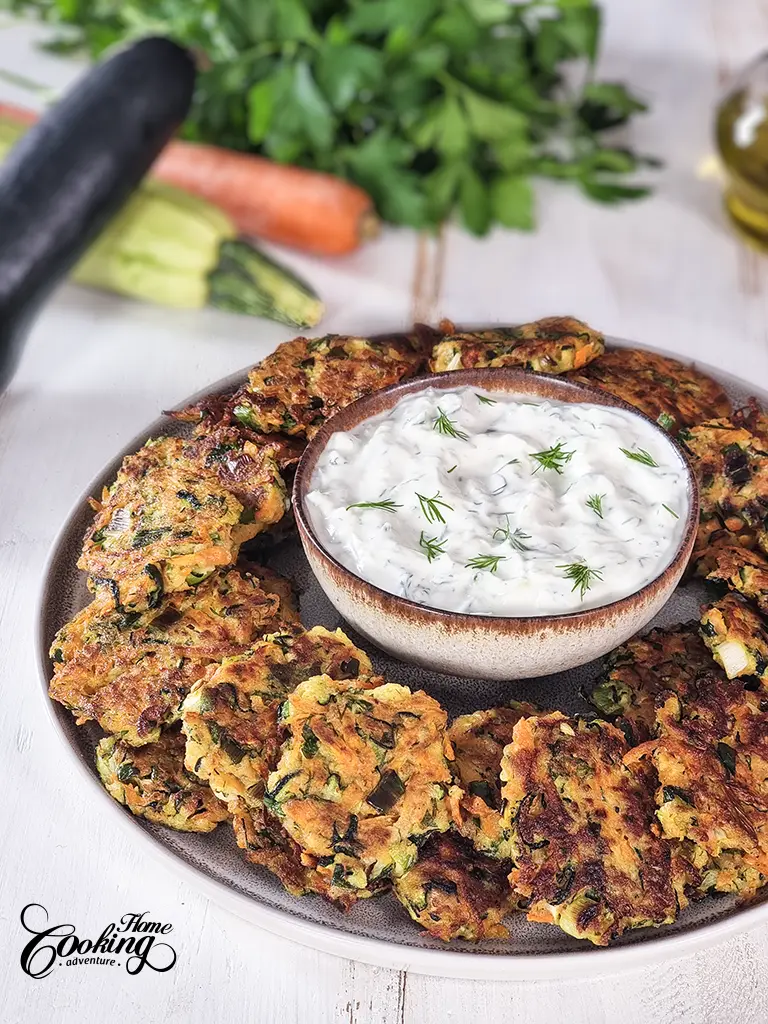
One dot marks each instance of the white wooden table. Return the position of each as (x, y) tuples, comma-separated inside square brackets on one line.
[(96, 369)]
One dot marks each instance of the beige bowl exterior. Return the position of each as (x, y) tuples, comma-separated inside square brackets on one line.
[(480, 646)]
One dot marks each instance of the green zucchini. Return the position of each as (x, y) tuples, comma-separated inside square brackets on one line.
[(247, 281), (172, 248)]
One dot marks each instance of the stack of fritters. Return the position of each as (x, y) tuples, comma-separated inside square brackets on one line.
[(170, 601), (231, 721), (363, 779), (230, 717), (585, 855), (178, 511), (131, 671), (706, 737), (711, 755), (219, 706)]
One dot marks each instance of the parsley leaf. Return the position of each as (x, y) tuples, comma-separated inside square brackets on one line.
[(437, 109)]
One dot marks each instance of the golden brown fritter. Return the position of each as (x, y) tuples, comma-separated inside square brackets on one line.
[(277, 586), (153, 783), (362, 779), (555, 344), (130, 672), (752, 418), (711, 536), (267, 844), (711, 756), (672, 393), (230, 718), (478, 742), (178, 510), (741, 570), (585, 855), (737, 637), (453, 892), (638, 671), (731, 464), (305, 381), (213, 413)]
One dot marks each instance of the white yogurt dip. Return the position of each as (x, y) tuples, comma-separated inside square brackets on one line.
[(498, 504)]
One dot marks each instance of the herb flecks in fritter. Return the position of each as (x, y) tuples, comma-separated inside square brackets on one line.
[(453, 892), (585, 856), (152, 782), (672, 393), (731, 463), (214, 414), (554, 344), (305, 381), (711, 756), (230, 718), (131, 672), (266, 844), (741, 570), (177, 511), (642, 668), (363, 779), (737, 637), (478, 741)]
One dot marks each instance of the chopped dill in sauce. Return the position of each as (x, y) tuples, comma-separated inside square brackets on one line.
[(554, 509)]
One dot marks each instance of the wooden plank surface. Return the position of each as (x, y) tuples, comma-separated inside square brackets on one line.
[(96, 369)]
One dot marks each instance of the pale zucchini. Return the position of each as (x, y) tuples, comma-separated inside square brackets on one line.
[(175, 249)]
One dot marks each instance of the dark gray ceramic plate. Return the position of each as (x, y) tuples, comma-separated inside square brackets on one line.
[(377, 931)]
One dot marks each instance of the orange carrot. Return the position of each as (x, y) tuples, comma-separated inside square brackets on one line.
[(20, 114), (281, 203)]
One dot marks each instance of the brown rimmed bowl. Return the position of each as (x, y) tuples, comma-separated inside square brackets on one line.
[(484, 646)]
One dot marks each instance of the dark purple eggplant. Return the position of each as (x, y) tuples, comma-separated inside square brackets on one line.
[(75, 168)]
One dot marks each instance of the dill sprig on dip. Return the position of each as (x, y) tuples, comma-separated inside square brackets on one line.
[(595, 502), (431, 507), (485, 400), (387, 505), (552, 458), (582, 576), (431, 546), (444, 425), (641, 455), (490, 562), (515, 537), (670, 510)]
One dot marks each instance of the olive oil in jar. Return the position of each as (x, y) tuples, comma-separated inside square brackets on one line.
[(742, 139)]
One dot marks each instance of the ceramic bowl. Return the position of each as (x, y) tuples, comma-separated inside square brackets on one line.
[(481, 646)]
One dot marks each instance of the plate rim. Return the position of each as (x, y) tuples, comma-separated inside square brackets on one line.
[(591, 961)]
